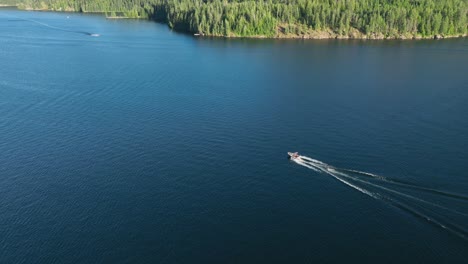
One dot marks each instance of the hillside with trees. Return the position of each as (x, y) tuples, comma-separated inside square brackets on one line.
[(286, 18), (8, 2)]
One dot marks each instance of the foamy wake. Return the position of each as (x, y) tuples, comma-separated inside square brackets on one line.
[(359, 180)]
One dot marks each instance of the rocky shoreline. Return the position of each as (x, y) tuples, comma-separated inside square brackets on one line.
[(329, 34), (344, 37)]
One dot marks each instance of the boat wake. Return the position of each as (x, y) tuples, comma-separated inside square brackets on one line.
[(54, 27), (429, 208)]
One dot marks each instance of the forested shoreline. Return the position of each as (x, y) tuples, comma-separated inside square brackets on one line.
[(372, 19)]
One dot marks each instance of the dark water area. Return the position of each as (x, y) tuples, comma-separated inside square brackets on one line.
[(144, 145)]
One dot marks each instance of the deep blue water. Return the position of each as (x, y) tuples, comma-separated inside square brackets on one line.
[(144, 145)]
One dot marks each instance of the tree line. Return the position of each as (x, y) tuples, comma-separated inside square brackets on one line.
[(390, 18), (8, 2)]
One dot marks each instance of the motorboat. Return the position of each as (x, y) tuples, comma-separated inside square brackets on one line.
[(293, 155)]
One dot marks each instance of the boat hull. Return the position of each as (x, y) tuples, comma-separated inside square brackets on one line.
[(293, 155)]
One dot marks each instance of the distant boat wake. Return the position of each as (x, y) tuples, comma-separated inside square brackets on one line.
[(57, 28), (385, 189)]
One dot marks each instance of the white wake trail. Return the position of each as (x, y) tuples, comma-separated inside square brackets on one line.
[(368, 174), (306, 165), (54, 27), (400, 193), (319, 166), (355, 187), (401, 183), (333, 172)]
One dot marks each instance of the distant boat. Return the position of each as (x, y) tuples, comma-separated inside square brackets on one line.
[(94, 35)]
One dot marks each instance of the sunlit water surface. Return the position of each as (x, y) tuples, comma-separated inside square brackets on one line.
[(145, 145)]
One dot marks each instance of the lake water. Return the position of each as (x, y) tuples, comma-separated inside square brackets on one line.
[(144, 145)]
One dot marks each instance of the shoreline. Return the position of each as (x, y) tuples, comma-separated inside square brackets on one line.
[(118, 17), (338, 37), (313, 34)]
